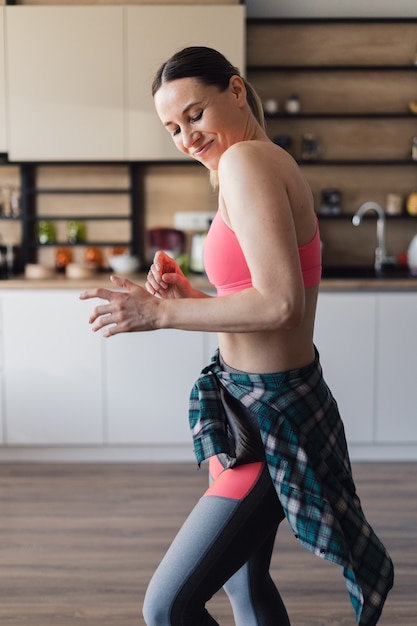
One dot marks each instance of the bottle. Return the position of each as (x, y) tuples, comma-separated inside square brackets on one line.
[(394, 204)]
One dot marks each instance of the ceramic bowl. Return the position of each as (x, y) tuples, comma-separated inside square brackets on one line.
[(124, 263)]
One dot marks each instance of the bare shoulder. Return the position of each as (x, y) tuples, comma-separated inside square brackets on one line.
[(248, 150), (256, 155), (268, 178)]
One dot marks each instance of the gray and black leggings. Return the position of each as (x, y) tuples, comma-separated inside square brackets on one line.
[(226, 541)]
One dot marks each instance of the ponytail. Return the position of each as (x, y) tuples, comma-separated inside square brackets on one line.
[(255, 104)]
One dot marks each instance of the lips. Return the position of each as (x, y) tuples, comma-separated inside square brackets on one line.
[(198, 153)]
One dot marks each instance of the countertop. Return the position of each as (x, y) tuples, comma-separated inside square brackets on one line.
[(406, 283), (101, 279)]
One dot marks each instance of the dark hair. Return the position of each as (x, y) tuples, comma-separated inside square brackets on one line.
[(211, 68)]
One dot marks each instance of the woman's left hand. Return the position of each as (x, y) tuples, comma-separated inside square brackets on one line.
[(130, 310)]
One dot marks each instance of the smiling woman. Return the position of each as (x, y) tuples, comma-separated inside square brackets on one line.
[(261, 411), (213, 76)]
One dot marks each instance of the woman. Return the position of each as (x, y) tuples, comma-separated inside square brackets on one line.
[(261, 411)]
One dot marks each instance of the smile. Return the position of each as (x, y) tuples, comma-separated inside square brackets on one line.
[(202, 150)]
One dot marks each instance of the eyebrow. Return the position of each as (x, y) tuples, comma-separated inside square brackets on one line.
[(187, 108)]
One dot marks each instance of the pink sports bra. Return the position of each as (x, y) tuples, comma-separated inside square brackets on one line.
[(226, 266)]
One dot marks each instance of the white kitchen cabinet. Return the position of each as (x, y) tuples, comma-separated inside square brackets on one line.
[(345, 338), (2, 421), (3, 140), (396, 367), (52, 370), (79, 77), (153, 35), (210, 344), (147, 382), (65, 82), (63, 386)]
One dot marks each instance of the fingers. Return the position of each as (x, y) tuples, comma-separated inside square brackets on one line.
[(154, 283), (103, 294), (92, 293), (102, 311), (123, 283), (109, 317), (127, 310), (100, 316)]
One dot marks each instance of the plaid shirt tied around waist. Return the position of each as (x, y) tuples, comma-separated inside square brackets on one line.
[(307, 457)]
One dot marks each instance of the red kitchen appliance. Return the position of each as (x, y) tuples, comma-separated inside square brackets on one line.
[(171, 240)]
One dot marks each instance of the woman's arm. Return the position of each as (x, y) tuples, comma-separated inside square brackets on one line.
[(258, 208)]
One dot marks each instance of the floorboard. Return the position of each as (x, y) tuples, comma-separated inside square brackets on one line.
[(78, 544)]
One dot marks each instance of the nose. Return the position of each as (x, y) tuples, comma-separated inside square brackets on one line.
[(189, 137)]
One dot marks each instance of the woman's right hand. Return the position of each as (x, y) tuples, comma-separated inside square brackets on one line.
[(165, 278)]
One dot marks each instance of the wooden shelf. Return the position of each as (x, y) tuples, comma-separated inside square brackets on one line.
[(332, 68), (78, 218), (30, 216), (348, 217), (340, 116), (77, 191)]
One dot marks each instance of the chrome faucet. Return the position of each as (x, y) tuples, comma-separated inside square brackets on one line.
[(380, 250)]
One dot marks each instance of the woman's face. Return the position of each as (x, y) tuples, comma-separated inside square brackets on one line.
[(202, 120)]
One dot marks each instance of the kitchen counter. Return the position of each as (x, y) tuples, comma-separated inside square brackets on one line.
[(351, 283), (101, 279), (369, 284)]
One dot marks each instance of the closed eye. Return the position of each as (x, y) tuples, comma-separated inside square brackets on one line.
[(197, 117), (193, 120)]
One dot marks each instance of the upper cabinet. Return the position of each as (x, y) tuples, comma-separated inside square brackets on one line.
[(153, 35), (65, 82), (3, 141), (79, 77)]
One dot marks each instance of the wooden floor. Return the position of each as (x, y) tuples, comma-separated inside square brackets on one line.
[(78, 544)]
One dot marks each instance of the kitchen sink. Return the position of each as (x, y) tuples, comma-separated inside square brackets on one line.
[(354, 271)]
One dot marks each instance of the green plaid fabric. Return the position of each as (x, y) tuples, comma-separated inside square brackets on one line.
[(307, 456)]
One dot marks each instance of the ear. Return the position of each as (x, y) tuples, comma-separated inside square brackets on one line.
[(238, 89)]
